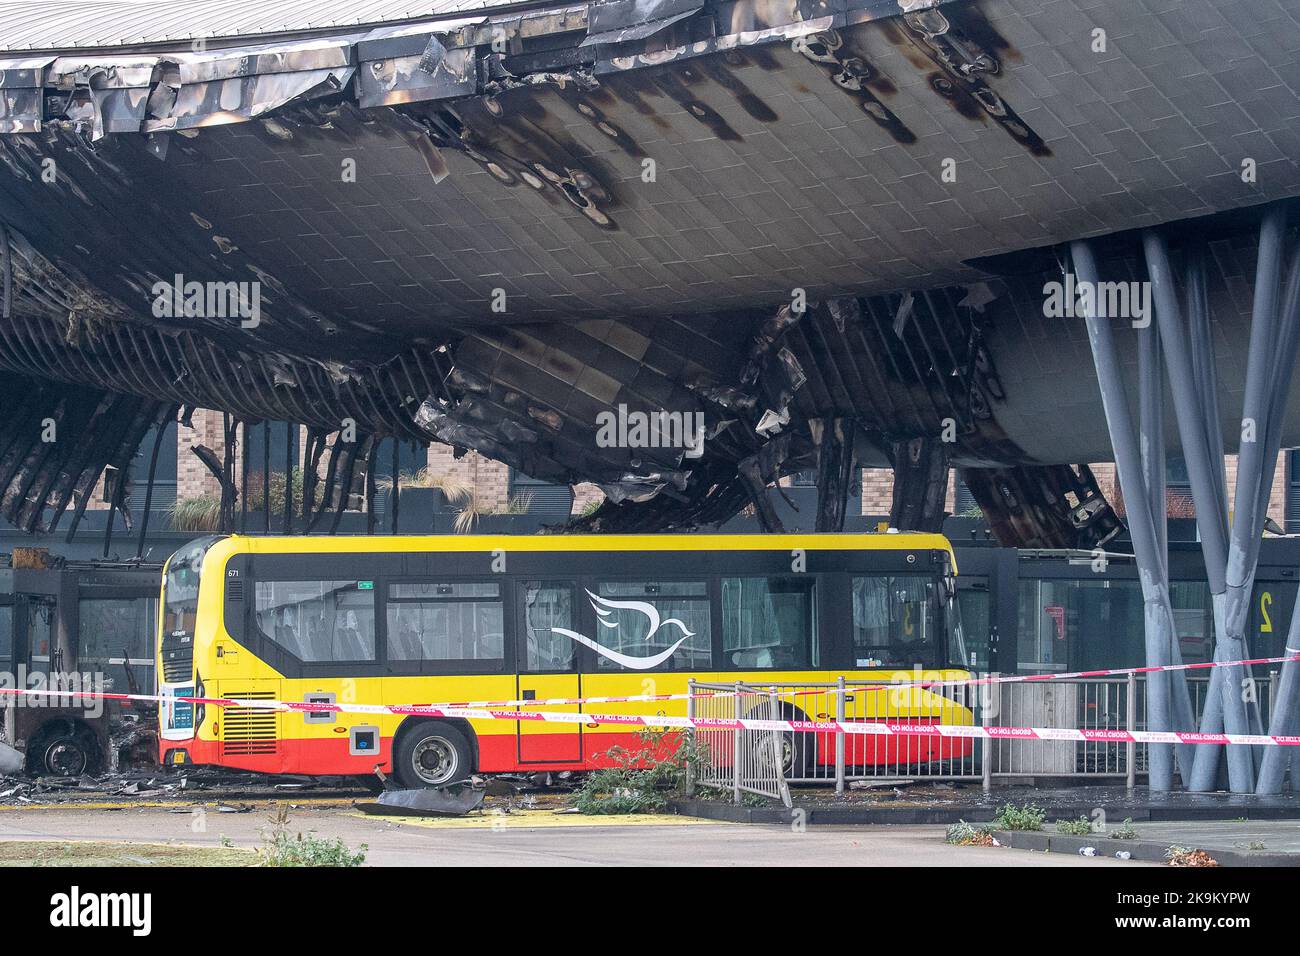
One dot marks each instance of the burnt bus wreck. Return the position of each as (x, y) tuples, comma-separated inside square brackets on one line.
[(825, 229)]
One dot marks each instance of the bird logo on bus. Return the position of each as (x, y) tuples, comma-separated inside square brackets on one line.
[(605, 608)]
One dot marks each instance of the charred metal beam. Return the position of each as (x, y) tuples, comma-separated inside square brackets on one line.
[(1043, 506), (834, 441), (920, 485)]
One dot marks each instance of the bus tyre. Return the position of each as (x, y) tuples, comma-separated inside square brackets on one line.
[(63, 752), (796, 756), (798, 751), (432, 754)]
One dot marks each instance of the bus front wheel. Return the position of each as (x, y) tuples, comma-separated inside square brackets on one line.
[(432, 754)]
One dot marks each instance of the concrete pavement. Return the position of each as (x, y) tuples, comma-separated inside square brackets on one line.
[(538, 839)]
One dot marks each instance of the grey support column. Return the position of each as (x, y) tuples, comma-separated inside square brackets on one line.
[(1284, 717), (1211, 509), (1151, 564)]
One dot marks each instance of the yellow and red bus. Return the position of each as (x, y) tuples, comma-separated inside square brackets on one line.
[(437, 619)]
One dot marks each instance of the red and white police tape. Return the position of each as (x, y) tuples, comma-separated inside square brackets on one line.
[(489, 711), (852, 688)]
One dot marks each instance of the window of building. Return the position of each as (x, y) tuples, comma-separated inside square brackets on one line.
[(540, 497), (896, 621), (319, 621), (115, 638), (973, 628), (442, 621), (1071, 624), (546, 607), (164, 479), (6, 636), (768, 622), (1292, 511), (643, 619)]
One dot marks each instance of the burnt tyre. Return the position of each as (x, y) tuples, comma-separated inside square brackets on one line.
[(58, 752), (432, 754)]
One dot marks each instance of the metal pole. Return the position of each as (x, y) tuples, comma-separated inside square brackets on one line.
[(986, 743), (395, 497), (1130, 724), (736, 747), (1258, 405), (690, 711), (1151, 440), (1205, 374), (266, 477), (1211, 510), (290, 448), (160, 433), (840, 717), (1128, 460), (1151, 430), (243, 475)]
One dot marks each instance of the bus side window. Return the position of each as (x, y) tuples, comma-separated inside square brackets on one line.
[(547, 606), (446, 621), (645, 620), (895, 621), (318, 621), (767, 622)]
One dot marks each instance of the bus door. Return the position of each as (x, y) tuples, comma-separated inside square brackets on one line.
[(547, 666)]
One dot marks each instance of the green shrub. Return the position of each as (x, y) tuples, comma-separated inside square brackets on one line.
[(1125, 831), (284, 850), (640, 780), (968, 834), (1028, 817), (1079, 827)]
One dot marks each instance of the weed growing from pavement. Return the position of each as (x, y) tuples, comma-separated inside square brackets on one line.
[(1027, 817), (281, 849), (969, 834), (1079, 827), (1124, 831)]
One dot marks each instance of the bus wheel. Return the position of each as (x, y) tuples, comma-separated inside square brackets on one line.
[(64, 754), (798, 751), (432, 754)]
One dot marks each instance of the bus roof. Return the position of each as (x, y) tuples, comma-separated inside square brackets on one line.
[(339, 544)]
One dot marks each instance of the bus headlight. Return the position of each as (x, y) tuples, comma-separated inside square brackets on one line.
[(199, 709)]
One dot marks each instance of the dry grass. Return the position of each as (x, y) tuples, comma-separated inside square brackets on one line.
[(104, 854), (474, 507)]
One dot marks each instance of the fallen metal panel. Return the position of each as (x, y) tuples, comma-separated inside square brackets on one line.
[(441, 802), (270, 58), (411, 38), (401, 80), (235, 100), (733, 25), (22, 94), (109, 92), (638, 32)]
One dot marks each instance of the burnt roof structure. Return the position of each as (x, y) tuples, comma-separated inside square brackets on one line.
[(825, 227)]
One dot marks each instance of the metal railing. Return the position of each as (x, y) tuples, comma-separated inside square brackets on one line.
[(740, 760), (835, 758)]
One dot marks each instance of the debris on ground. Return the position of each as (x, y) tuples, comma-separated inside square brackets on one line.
[(133, 742), (182, 782), (454, 801), (1181, 856), (11, 761)]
